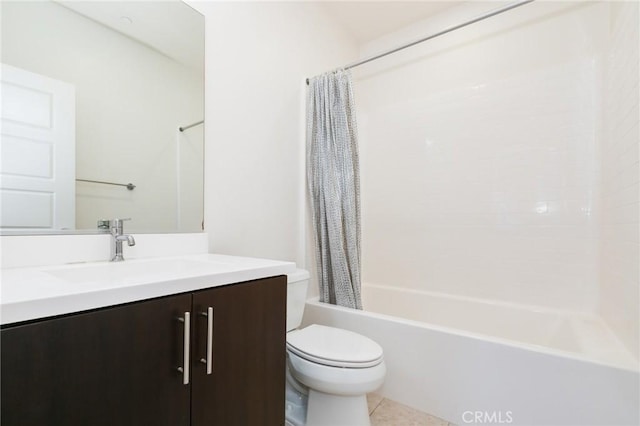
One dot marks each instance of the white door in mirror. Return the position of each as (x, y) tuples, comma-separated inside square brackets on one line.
[(37, 151)]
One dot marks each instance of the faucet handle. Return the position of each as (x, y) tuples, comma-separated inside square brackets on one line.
[(116, 225)]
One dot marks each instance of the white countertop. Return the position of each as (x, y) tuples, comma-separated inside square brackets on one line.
[(40, 292)]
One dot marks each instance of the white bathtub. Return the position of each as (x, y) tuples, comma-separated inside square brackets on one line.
[(479, 362)]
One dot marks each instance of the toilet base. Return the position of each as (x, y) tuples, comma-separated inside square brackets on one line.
[(335, 410), (295, 402)]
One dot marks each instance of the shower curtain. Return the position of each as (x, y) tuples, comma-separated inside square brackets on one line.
[(334, 187)]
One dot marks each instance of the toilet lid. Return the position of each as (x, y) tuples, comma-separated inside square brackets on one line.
[(334, 347)]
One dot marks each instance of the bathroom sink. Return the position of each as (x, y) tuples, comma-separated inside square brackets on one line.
[(45, 291), (136, 270)]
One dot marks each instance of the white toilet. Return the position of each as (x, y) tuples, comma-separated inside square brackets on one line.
[(329, 370)]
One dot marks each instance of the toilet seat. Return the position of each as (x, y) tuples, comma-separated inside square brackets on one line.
[(334, 347), (336, 381)]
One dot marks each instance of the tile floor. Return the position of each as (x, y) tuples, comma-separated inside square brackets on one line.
[(384, 412)]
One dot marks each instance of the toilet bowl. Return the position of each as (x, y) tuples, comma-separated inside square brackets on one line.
[(329, 370)]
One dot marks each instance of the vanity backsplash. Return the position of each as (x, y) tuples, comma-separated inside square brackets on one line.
[(44, 250)]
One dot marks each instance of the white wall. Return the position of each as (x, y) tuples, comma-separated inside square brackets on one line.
[(130, 100), (479, 155), (257, 57), (619, 279)]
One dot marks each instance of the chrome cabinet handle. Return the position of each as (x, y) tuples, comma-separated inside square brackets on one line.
[(187, 344), (209, 360)]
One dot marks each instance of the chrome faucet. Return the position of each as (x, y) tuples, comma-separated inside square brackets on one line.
[(118, 238)]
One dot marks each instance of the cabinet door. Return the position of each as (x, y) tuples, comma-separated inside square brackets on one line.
[(115, 366), (247, 383)]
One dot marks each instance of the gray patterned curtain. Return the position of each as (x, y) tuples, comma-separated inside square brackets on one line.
[(333, 176)]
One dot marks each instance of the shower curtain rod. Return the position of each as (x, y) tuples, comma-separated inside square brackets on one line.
[(439, 33), (182, 129)]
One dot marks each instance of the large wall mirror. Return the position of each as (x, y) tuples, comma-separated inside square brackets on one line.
[(94, 94)]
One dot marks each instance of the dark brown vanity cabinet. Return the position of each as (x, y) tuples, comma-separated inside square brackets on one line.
[(124, 365)]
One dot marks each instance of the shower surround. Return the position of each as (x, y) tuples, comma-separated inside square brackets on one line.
[(500, 214), (496, 158)]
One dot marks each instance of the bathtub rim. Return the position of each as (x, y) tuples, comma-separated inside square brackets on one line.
[(481, 337)]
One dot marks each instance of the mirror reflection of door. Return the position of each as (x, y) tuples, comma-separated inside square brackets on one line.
[(37, 151)]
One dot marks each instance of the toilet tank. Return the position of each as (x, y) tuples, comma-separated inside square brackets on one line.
[(297, 284)]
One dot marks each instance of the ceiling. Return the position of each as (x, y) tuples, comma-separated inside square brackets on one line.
[(177, 31), (368, 20), (169, 27)]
